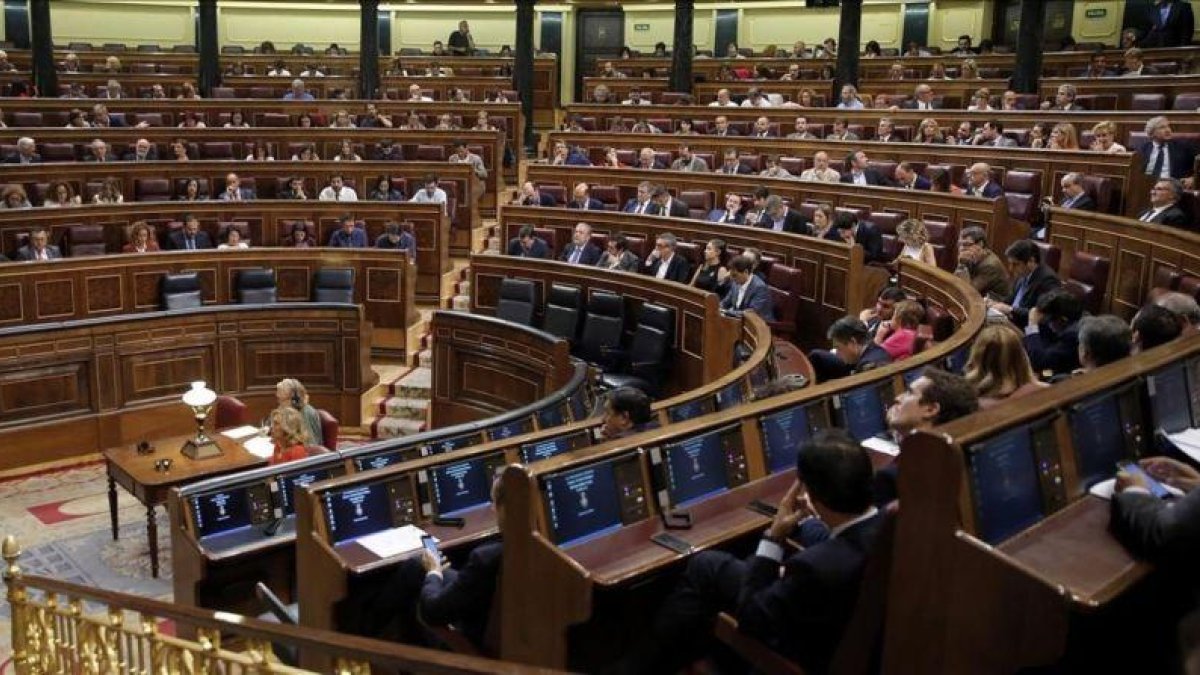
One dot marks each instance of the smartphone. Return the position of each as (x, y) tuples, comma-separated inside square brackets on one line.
[(1156, 488), (431, 546)]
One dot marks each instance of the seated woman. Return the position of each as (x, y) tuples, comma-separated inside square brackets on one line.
[(179, 150), (915, 237), (231, 237), (14, 197), (998, 367), (384, 192), (290, 393), (347, 153), (822, 223), (1063, 137), (60, 195), (712, 275), (307, 154), (288, 434), (191, 191), (141, 239), (898, 336), (110, 192), (299, 237), (258, 152), (237, 120), (929, 132)]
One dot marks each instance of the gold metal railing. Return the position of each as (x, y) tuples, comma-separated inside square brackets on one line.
[(55, 629)]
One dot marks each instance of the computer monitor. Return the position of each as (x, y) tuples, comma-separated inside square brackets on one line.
[(379, 460), (360, 510), (783, 433), (231, 509), (691, 409), (288, 482), (1006, 484), (582, 503), (581, 407), (515, 427), (451, 443), (545, 449), (698, 466), (1100, 436), (1192, 366), (551, 416), (730, 396), (1169, 398), (462, 486), (862, 411)]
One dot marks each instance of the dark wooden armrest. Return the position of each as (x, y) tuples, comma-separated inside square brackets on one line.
[(451, 637), (761, 657)]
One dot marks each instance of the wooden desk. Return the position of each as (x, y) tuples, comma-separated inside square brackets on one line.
[(138, 475)]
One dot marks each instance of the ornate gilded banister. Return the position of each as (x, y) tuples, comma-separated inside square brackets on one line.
[(61, 627)]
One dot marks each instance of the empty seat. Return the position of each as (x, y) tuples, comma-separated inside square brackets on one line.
[(1148, 102), (699, 202), (180, 291), (431, 153), (152, 189), (27, 119), (1088, 279), (1189, 101), (216, 150), (645, 364), (256, 286), (561, 316), (603, 325), (516, 301), (1051, 255), (608, 195), (1023, 192), (330, 428), (230, 412), (334, 284), (85, 240), (784, 282), (58, 152)]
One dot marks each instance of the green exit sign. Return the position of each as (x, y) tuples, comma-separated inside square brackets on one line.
[(1096, 13), (641, 26)]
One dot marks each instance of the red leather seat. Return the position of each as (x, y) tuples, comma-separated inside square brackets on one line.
[(690, 251), (1189, 101), (559, 192), (753, 161), (608, 195), (1148, 102), (794, 165), (886, 221), (58, 152), (27, 119), (1166, 278), (784, 282), (152, 190), (699, 202), (431, 153), (271, 119), (1088, 278), (229, 412), (85, 240), (1100, 188), (216, 150), (1051, 255), (329, 429), (550, 236), (1023, 192)]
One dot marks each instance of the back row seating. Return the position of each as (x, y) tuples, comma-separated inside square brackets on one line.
[(59, 118)]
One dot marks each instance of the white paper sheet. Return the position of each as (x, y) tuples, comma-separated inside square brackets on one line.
[(881, 445), (238, 433), (259, 447), (394, 541), (1188, 442)]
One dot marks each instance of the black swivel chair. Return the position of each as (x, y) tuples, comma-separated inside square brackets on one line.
[(180, 291), (334, 284), (603, 326), (644, 366), (562, 312), (516, 301), (256, 286)]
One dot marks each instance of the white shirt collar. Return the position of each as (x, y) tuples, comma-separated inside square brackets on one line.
[(869, 513)]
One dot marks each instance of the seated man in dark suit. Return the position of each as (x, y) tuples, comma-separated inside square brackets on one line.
[(527, 245), (643, 202), (668, 205), (907, 178), (1162, 531), (731, 164), (39, 247), (26, 152), (863, 233), (1164, 205), (853, 351), (731, 214), (234, 192), (530, 195), (1074, 194), (799, 603), (98, 151), (748, 292), (980, 184), (1102, 340), (347, 235), (1153, 326), (1052, 333), (779, 217), (190, 237), (860, 173), (581, 250), (626, 412), (665, 263), (582, 199), (396, 236), (1031, 280), (1164, 156)]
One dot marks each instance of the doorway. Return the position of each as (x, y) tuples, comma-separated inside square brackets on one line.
[(599, 35)]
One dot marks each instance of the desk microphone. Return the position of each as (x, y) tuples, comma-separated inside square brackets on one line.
[(443, 521)]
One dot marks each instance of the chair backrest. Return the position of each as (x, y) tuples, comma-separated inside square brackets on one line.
[(85, 240), (653, 335), (516, 301), (561, 316), (180, 291), (603, 325), (1051, 255), (256, 285), (230, 412), (1088, 277), (334, 284), (329, 429)]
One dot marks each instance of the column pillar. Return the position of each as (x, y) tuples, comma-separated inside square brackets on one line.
[(681, 50), (1029, 48), (523, 71), (368, 46), (45, 77), (849, 37), (210, 65)]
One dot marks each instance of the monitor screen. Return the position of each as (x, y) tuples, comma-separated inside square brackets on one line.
[(550, 416), (863, 412), (582, 503), (1005, 479), (356, 511), (369, 462), (462, 486), (580, 408), (1099, 438), (516, 427), (218, 512), (545, 449), (783, 433), (287, 484), (696, 467), (691, 409), (443, 445), (1169, 395), (730, 396)]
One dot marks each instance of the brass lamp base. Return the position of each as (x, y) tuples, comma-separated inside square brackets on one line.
[(201, 447)]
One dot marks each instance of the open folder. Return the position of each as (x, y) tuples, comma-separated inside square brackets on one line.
[(392, 542)]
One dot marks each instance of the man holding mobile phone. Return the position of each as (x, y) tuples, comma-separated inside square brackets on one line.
[(1162, 531)]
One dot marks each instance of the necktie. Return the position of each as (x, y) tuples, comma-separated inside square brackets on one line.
[(191, 244), (575, 255), (1147, 216), (1160, 160), (1020, 294)]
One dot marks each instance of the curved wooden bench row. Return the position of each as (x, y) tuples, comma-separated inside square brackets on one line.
[(125, 287), (268, 224), (957, 210), (79, 386), (269, 179), (1124, 171)]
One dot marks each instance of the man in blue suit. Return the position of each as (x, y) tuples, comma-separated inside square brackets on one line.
[(581, 250), (979, 182), (800, 603), (748, 292), (731, 214), (528, 245), (234, 192), (347, 235), (582, 199), (1165, 157), (190, 237), (853, 351), (908, 179), (643, 203), (1171, 24)]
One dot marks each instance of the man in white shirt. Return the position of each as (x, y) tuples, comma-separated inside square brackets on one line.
[(414, 94), (756, 99), (337, 191), (820, 172), (801, 133), (850, 100), (762, 128), (723, 100), (721, 127), (430, 194), (924, 98)]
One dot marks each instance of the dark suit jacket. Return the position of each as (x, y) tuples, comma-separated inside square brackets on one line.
[(742, 169), (871, 239), (678, 269), (15, 158), (912, 105), (677, 209), (539, 249), (590, 255), (632, 205), (26, 253), (728, 132), (1042, 280), (245, 193), (1084, 203), (804, 612), (593, 204), (872, 357), (757, 298), (1054, 351), (792, 222), (1176, 31), (718, 215), (151, 156), (873, 177), (990, 191), (919, 183), (1180, 155), (464, 597), (1172, 216), (543, 200), (1162, 531), (176, 241)]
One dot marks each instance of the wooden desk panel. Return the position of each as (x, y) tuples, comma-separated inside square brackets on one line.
[(74, 389)]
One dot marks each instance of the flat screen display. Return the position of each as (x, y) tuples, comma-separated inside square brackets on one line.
[(510, 429), (582, 503), (550, 447), (783, 433), (1005, 479), (1099, 438), (730, 396), (288, 483), (863, 414), (223, 511), (357, 511), (696, 467), (462, 486), (1169, 396), (369, 462), (691, 409), (550, 416), (444, 445)]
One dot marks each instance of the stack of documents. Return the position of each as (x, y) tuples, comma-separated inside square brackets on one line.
[(395, 541)]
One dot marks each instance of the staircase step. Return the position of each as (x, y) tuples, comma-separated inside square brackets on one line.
[(461, 303), (405, 408), (425, 358), (392, 427)]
